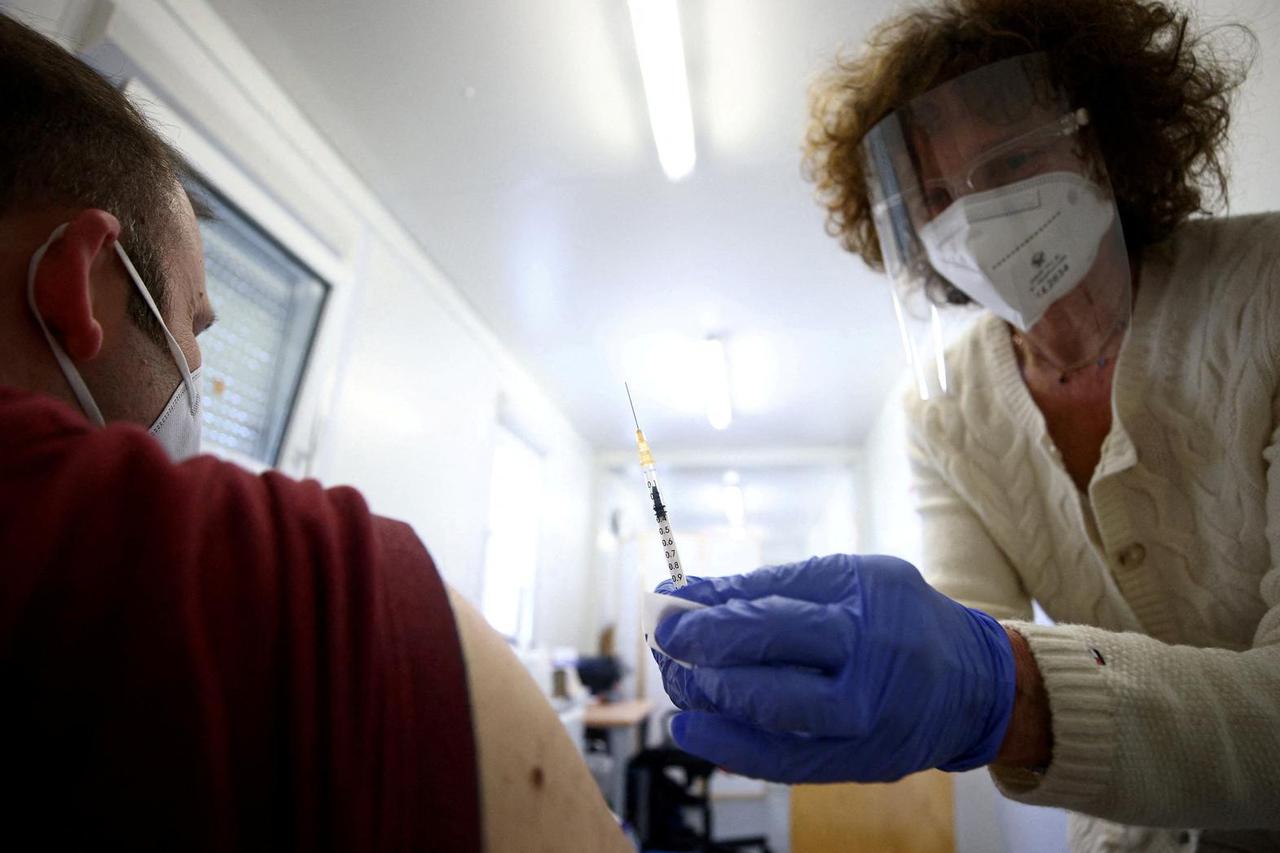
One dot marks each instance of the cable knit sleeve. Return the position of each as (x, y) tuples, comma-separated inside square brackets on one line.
[(960, 559), (1151, 733)]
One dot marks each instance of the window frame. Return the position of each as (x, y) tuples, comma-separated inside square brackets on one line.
[(208, 188)]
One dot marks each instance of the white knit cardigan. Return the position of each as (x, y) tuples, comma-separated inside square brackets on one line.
[(1163, 672)]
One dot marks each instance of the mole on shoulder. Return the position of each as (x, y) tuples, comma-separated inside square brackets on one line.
[(537, 777)]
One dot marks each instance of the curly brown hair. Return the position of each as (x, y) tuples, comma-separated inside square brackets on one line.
[(1158, 96)]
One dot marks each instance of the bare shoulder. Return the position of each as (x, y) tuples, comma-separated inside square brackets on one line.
[(536, 792)]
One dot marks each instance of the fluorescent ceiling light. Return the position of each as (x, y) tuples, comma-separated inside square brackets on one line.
[(656, 24), (715, 383)]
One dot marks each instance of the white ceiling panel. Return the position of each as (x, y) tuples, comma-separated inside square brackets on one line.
[(511, 139)]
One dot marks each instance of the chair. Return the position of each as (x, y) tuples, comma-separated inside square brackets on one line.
[(666, 784)]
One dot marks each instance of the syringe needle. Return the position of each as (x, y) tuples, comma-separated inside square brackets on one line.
[(659, 511), (633, 406)]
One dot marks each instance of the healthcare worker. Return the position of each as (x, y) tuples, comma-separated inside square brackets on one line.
[(1104, 439)]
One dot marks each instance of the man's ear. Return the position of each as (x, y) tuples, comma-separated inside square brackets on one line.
[(64, 281)]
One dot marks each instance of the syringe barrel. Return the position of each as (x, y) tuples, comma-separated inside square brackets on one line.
[(669, 551), (674, 565), (673, 556)]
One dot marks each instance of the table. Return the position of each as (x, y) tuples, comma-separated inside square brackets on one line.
[(615, 719), (616, 715)]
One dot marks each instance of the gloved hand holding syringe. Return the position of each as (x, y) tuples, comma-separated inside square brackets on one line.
[(841, 668)]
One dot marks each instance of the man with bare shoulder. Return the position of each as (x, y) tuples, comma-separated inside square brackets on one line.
[(193, 657)]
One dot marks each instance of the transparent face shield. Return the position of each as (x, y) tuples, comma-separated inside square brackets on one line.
[(991, 187)]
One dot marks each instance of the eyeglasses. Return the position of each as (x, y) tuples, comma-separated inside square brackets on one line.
[(1024, 156)]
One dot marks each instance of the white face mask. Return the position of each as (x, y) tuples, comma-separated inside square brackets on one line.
[(178, 426), (1017, 249)]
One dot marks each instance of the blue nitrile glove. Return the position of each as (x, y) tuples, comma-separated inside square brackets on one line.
[(840, 668)]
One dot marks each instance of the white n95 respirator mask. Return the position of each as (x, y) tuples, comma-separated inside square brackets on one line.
[(1018, 249), (177, 427)]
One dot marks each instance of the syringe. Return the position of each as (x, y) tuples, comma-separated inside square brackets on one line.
[(659, 511)]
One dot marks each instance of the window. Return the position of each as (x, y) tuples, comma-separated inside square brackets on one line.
[(511, 549), (268, 305)]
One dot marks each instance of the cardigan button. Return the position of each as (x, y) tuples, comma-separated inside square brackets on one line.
[(1131, 556)]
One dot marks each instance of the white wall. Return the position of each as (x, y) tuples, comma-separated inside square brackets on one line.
[(413, 427), (1255, 120), (566, 548), (412, 421)]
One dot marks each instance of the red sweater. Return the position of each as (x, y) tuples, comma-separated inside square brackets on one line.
[(196, 658)]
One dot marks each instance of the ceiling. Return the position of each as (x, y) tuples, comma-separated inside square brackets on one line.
[(511, 139)]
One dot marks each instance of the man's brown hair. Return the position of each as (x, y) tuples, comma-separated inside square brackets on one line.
[(69, 137), (1158, 99)]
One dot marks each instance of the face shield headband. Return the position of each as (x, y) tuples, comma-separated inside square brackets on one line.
[(990, 187)]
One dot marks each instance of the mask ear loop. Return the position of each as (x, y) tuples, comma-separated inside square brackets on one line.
[(69, 370), (176, 351)]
